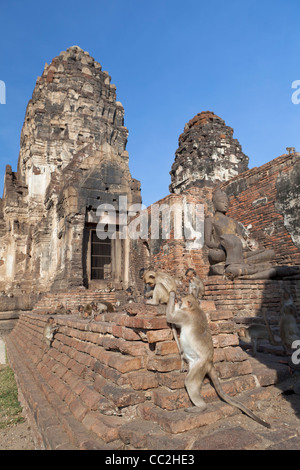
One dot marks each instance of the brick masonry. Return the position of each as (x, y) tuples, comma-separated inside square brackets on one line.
[(103, 381), (268, 198)]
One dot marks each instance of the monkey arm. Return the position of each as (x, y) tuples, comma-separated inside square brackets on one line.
[(148, 294), (170, 316)]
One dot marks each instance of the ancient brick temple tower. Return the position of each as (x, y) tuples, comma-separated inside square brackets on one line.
[(114, 381), (207, 154), (72, 159)]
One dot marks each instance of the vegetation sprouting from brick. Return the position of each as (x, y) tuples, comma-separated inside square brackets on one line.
[(10, 409)]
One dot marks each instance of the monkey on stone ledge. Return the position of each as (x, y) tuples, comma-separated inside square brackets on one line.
[(196, 286), (162, 284), (198, 351), (48, 334)]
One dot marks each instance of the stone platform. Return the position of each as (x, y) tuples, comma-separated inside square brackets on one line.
[(116, 384)]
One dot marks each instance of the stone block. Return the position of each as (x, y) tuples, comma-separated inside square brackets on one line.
[(236, 438)]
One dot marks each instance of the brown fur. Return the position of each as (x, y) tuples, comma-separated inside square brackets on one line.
[(196, 343), (162, 283), (196, 286), (255, 332)]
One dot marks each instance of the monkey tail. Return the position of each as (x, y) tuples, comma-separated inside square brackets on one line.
[(215, 380)]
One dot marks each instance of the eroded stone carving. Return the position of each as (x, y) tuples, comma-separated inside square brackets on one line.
[(207, 154), (233, 255), (72, 159)]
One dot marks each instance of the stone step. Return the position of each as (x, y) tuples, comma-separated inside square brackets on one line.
[(179, 421), (58, 429)]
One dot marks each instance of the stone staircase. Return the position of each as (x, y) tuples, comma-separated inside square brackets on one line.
[(49, 302), (116, 383)]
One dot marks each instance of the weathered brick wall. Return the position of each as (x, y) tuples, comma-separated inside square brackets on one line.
[(109, 381), (176, 255), (244, 301), (207, 154), (257, 197), (72, 159), (267, 197), (11, 307), (72, 299)]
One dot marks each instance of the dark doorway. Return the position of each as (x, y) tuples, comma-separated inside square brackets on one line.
[(101, 259)]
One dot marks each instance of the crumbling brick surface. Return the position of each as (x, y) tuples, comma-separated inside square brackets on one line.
[(207, 154), (268, 198), (72, 159), (101, 375)]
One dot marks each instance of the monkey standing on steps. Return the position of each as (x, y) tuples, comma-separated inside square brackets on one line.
[(196, 343), (162, 284), (256, 332), (148, 291)]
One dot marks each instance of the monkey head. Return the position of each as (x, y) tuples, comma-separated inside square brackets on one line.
[(149, 278), (88, 309), (190, 274), (187, 303), (242, 332)]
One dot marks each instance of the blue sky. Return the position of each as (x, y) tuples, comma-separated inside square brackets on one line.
[(170, 60)]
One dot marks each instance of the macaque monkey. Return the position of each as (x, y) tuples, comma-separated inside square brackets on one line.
[(148, 291), (196, 286), (254, 333), (80, 310), (61, 310), (287, 300), (130, 297), (88, 312), (197, 346), (105, 306), (102, 307), (162, 284), (48, 334), (288, 329), (94, 308)]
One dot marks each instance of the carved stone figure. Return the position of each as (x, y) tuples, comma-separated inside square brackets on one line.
[(230, 253)]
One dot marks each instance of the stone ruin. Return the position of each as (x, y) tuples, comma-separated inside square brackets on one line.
[(207, 154), (114, 382)]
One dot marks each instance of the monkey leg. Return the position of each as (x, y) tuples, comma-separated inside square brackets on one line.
[(193, 383), (46, 345), (159, 295), (156, 296)]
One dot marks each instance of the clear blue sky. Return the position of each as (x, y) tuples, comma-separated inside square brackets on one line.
[(169, 59)]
